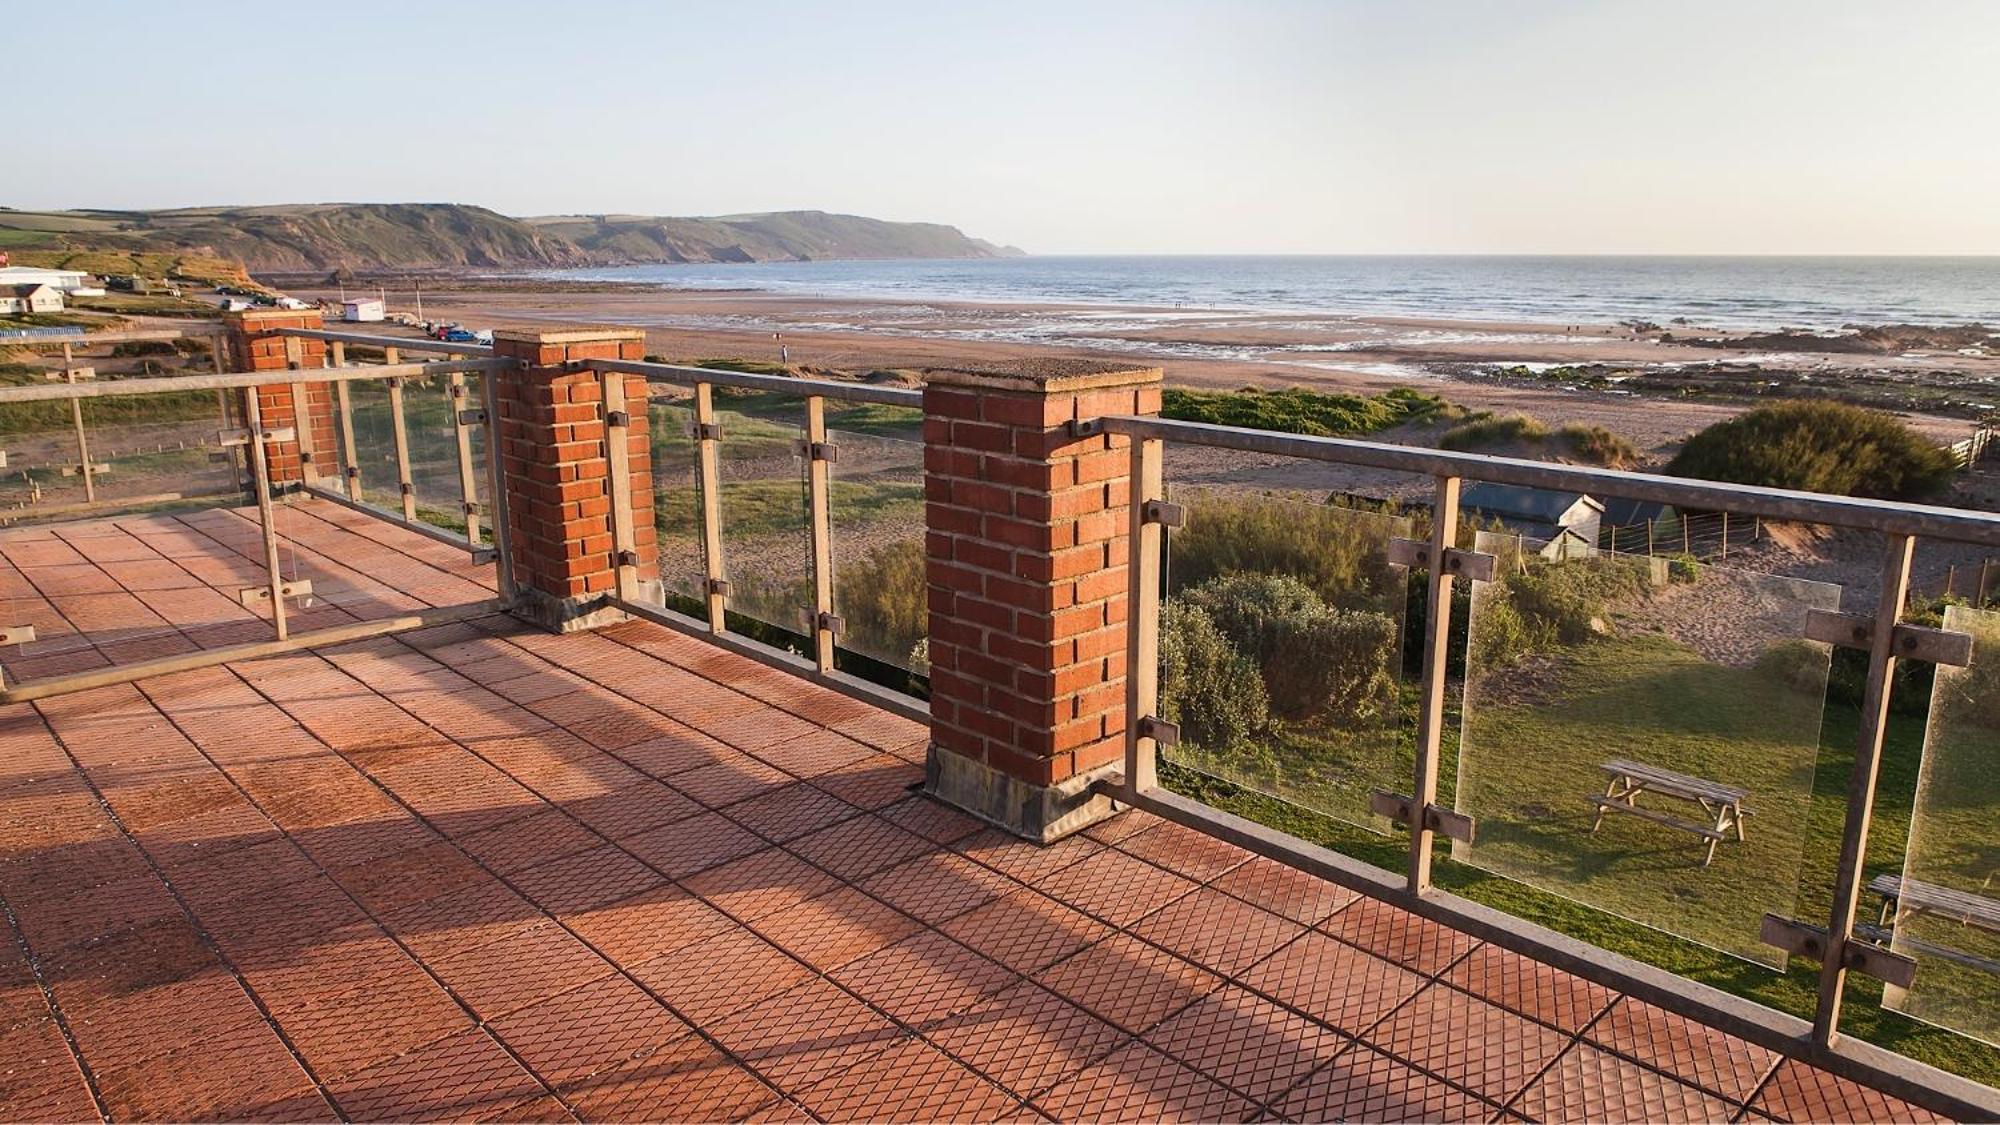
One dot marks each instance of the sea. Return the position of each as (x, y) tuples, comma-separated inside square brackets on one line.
[(1813, 293)]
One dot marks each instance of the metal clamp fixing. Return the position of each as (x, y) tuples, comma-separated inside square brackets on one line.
[(95, 468), (1907, 642), (1164, 513), (231, 438), (252, 596), (1806, 940), (830, 623), (472, 416), (617, 418), (1416, 554), (817, 450), (1085, 427), (1162, 732), (406, 488), (706, 431), (1448, 823), (17, 634), (715, 586), (456, 390), (470, 508), (626, 558)]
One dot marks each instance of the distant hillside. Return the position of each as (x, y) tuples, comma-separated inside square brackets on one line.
[(779, 236), (376, 236)]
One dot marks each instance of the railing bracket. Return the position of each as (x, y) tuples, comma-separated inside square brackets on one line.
[(95, 468), (472, 416), (1448, 823), (1085, 427), (1164, 513), (706, 431), (830, 622), (1163, 733), (232, 438), (1416, 554), (1909, 642), (406, 488), (626, 558), (17, 634), (252, 596), (617, 418), (817, 451), (1806, 940), (717, 586), (470, 508)]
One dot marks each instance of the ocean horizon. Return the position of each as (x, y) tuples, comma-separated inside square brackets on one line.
[(1819, 293)]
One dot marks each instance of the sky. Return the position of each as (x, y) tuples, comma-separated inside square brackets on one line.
[(1397, 126)]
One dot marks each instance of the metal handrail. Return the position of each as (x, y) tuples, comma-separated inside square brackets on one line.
[(1885, 637), (400, 343), (682, 375), (1891, 516), (112, 388)]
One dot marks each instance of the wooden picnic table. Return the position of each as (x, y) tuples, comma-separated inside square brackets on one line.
[(1722, 804), (1906, 899)]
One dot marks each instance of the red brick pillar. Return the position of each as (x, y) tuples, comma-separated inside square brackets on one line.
[(558, 472), (1026, 550), (255, 345)]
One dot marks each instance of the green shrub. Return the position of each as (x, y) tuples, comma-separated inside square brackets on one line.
[(1493, 429), (1684, 568), (1505, 635), (1569, 599), (1296, 410), (1330, 549), (1592, 445), (1314, 659), (882, 596), (1820, 447), (1796, 665), (1206, 686)]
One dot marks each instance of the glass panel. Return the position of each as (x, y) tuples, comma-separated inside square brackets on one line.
[(1945, 910), (1281, 648), (375, 443), (766, 546), (160, 450), (427, 410), (677, 497), (878, 547), (40, 442), (1640, 735)]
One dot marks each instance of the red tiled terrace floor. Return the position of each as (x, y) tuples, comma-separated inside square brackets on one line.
[(482, 872)]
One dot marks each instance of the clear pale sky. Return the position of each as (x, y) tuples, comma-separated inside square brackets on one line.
[(1413, 126)]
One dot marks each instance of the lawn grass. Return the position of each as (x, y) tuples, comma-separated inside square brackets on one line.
[(1295, 410), (1614, 690)]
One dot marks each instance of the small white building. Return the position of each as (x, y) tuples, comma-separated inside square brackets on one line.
[(30, 298), (62, 281), (362, 309)]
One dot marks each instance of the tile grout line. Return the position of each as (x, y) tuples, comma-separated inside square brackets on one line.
[(83, 1068)]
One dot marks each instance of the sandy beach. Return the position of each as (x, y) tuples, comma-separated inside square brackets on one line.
[(1197, 348)]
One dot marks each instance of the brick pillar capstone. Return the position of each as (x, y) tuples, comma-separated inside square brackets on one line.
[(558, 473), (255, 345), (1027, 550)]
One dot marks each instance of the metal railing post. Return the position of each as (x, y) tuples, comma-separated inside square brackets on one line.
[(76, 418), (468, 486), (402, 434), (350, 465), (709, 476), (1861, 785), (496, 486), (618, 470), (253, 416), (1142, 613), (819, 503), (1430, 708), (301, 421)]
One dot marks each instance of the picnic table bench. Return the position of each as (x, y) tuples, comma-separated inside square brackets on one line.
[(1905, 899), (1723, 804)]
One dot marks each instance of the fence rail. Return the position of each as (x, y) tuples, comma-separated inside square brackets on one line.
[(1837, 944)]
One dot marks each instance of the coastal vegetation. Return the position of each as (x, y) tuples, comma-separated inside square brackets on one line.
[(1573, 441), (1295, 410), (1819, 447)]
